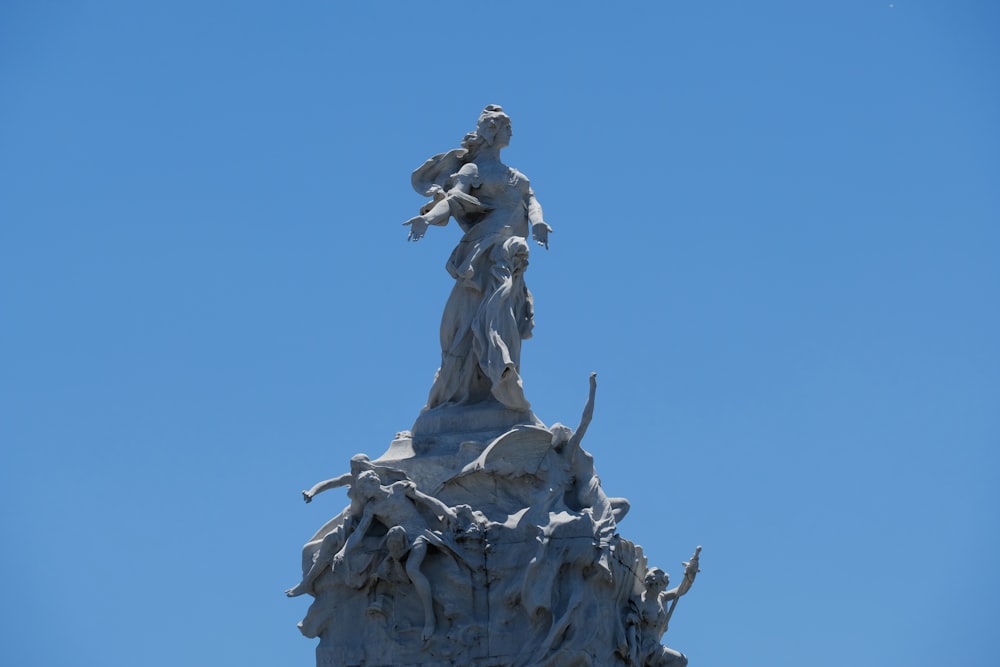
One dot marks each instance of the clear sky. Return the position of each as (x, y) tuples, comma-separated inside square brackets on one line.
[(776, 235)]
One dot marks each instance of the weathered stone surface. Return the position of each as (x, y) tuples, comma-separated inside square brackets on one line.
[(482, 537), (520, 562), (490, 310)]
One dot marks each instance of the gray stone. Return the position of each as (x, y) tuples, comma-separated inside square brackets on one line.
[(483, 537), (490, 310)]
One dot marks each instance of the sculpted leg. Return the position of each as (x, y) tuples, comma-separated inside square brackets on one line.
[(331, 544), (671, 658), (619, 508), (421, 584), (536, 589)]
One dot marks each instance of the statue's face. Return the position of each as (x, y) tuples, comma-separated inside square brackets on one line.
[(359, 462), (369, 485), (504, 132), (396, 543), (657, 580), (496, 130), (560, 435)]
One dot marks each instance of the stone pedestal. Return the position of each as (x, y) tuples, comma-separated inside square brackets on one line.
[(525, 568)]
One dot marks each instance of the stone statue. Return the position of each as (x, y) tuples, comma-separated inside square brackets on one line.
[(490, 309), (650, 617), (333, 540), (359, 462), (583, 486), (391, 572), (482, 537), (574, 494), (398, 506)]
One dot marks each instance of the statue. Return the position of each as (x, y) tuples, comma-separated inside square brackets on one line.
[(359, 462), (490, 309), (650, 618), (483, 537), (583, 486), (391, 572), (342, 526), (398, 506)]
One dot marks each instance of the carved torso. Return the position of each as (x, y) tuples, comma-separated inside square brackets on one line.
[(505, 191)]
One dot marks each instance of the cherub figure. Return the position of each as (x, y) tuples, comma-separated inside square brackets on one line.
[(650, 617)]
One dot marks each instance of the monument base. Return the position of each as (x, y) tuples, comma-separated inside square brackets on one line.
[(447, 421), (567, 658), (522, 603), (509, 556)]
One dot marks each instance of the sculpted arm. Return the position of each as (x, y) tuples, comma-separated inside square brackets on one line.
[(588, 414), (690, 572), (438, 212), (326, 485), (539, 228), (433, 503), (359, 531)]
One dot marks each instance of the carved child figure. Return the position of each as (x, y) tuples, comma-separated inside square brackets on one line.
[(650, 617)]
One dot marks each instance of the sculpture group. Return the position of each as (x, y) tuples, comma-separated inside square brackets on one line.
[(483, 537)]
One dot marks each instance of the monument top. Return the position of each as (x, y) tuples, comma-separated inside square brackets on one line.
[(483, 538), (490, 310)]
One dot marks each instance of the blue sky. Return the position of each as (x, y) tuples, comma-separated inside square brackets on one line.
[(776, 236)]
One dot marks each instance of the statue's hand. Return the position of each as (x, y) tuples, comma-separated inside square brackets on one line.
[(540, 232), (418, 227)]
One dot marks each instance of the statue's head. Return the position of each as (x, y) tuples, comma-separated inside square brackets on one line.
[(561, 434), (360, 462), (369, 483), (464, 513), (396, 542), (657, 579), (494, 126)]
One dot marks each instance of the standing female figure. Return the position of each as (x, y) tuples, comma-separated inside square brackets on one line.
[(490, 309)]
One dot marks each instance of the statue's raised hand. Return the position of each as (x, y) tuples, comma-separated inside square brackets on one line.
[(418, 227), (540, 232)]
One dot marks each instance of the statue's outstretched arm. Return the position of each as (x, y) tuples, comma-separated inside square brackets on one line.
[(690, 572), (433, 503), (359, 531), (540, 230), (326, 485), (440, 210), (588, 414)]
